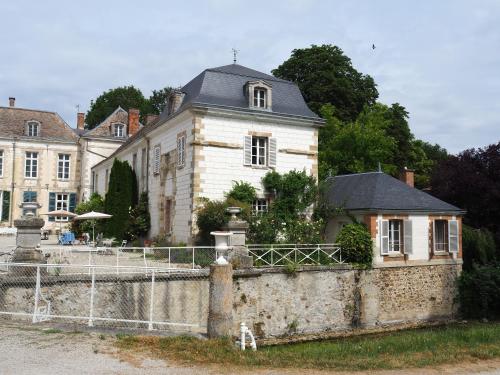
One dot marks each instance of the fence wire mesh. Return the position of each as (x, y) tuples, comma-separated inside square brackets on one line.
[(174, 299)]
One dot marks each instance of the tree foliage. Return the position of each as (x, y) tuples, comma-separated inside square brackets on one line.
[(243, 192), (325, 75), (95, 203), (139, 221), (158, 100)]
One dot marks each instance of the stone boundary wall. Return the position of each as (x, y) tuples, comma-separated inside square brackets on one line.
[(339, 299)]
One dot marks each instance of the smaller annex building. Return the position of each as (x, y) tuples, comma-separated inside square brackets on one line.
[(406, 224)]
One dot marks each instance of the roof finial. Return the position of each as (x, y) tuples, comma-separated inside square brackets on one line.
[(235, 52), (379, 167)]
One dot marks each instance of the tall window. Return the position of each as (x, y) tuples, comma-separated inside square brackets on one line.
[(259, 151), (62, 203), (33, 129), (134, 162), (441, 235), (106, 181), (168, 215), (1, 163), (181, 151), (395, 235), (143, 169), (259, 206), (63, 167), (31, 165), (29, 196), (119, 130), (259, 98)]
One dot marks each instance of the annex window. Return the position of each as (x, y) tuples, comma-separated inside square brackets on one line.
[(396, 236), (31, 165), (445, 235), (119, 130), (63, 167), (259, 97), (260, 151), (260, 206), (1, 163), (181, 150), (62, 203), (33, 129), (156, 159)]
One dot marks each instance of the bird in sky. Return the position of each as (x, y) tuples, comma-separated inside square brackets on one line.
[(373, 46)]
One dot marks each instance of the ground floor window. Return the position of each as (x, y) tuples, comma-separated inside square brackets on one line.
[(441, 235), (395, 235), (260, 206), (62, 203)]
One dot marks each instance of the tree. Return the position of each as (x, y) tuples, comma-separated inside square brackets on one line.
[(158, 100), (140, 220), (325, 75), (95, 203), (471, 181), (119, 199), (125, 97)]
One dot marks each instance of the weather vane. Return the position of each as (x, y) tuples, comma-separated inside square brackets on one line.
[(235, 52)]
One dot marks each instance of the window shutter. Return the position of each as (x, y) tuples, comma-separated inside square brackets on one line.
[(408, 236), (52, 205), (72, 202), (453, 236), (248, 150), (156, 160), (26, 196), (384, 236), (5, 206), (272, 152), (434, 236)]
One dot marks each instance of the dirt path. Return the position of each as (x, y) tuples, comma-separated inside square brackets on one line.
[(26, 350)]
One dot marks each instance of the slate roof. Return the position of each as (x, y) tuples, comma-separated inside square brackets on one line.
[(377, 191), (52, 126), (224, 87)]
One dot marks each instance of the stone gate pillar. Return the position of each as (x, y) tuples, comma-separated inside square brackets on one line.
[(220, 304), (238, 253)]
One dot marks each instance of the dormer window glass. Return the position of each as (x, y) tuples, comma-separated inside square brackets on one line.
[(33, 129), (259, 97), (119, 130)]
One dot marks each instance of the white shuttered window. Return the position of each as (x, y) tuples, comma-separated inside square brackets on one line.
[(453, 235), (260, 151)]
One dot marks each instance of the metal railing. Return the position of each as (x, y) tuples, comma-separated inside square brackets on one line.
[(272, 255), (134, 299)]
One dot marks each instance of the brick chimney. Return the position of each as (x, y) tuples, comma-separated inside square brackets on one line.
[(151, 118), (80, 120), (408, 177), (12, 102), (133, 121)]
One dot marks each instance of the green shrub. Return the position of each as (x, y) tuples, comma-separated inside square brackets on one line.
[(479, 289), (211, 216), (356, 244), (478, 247), (243, 192)]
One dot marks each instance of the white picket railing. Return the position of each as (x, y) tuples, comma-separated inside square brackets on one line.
[(272, 255)]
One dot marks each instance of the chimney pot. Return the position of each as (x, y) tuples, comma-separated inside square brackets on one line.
[(151, 118), (408, 177), (80, 120), (12, 102), (133, 121)]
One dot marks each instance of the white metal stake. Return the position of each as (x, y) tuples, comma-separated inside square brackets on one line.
[(151, 300), (169, 257), (90, 260), (193, 257), (117, 261), (91, 313), (37, 294)]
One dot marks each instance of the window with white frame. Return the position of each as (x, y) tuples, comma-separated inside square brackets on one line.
[(156, 159), (259, 97), (63, 167), (445, 236), (62, 203), (260, 206), (181, 150), (259, 150), (119, 130), (395, 235), (1, 163), (31, 165), (33, 129)]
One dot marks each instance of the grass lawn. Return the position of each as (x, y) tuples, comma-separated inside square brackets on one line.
[(411, 348)]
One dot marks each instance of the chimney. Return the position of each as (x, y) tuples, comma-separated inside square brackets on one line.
[(408, 177), (133, 121), (175, 101), (151, 118), (80, 120), (12, 102)]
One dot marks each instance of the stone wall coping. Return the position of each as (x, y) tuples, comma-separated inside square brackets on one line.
[(419, 263), (257, 272)]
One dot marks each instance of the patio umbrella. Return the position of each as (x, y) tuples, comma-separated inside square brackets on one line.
[(60, 213), (92, 215)]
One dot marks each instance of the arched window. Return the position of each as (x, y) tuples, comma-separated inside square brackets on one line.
[(33, 129)]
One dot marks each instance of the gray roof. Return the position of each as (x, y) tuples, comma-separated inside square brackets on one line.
[(224, 87), (377, 191)]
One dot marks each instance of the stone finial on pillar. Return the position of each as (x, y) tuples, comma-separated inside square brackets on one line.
[(238, 254), (220, 303)]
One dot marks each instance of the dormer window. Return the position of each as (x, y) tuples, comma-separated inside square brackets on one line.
[(119, 130), (259, 94), (259, 97), (33, 129)]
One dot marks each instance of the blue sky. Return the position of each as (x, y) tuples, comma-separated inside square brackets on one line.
[(439, 59)]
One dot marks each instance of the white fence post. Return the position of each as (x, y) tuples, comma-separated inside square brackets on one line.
[(193, 258), (37, 294), (151, 300), (91, 313)]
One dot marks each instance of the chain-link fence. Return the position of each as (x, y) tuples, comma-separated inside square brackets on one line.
[(175, 299)]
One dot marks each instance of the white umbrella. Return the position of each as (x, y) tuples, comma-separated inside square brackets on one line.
[(60, 213), (92, 215)]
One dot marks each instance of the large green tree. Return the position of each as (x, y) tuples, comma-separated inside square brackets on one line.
[(325, 75), (158, 100)]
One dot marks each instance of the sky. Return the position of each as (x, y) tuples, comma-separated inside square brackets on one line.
[(439, 59)]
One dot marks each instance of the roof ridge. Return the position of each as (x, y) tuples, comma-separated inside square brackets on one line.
[(357, 174), (29, 109), (271, 77)]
